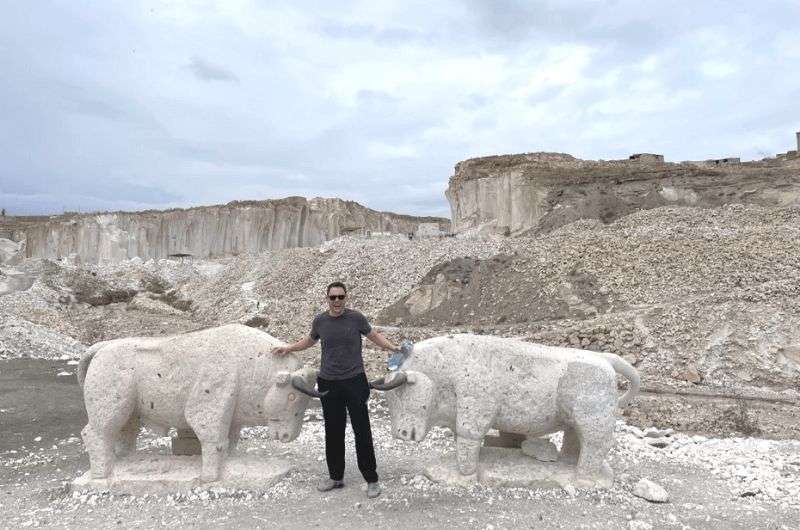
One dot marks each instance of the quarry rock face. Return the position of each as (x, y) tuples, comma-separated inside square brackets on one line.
[(537, 192), (212, 231)]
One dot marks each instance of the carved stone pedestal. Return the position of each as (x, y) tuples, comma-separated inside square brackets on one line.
[(154, 473), (185, 443), (504, 439), (503, 467)]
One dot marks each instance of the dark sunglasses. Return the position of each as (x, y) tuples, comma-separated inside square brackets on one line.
[(336, 296)]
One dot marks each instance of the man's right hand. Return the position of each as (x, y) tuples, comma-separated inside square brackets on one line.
[(280, 350)]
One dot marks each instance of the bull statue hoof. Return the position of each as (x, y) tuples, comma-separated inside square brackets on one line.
[(206, 384), (475, 383)]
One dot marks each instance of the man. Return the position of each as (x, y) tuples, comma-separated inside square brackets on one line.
[(342, 376)]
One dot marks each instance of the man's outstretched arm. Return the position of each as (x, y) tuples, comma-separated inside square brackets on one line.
[(379, 340), (302, 344)]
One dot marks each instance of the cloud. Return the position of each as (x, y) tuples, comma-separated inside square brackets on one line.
[(718, 69), (373, 101), (390, 36), (205, 71), (382, 150)]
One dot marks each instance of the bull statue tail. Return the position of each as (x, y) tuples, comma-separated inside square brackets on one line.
[(86, 358), (626, 370)]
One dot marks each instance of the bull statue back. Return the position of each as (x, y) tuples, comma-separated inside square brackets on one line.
[(474, 383), (212, 382)]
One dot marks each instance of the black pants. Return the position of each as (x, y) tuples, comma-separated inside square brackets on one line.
[(347, 396)]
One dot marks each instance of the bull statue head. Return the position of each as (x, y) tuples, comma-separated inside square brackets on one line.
[(287, 400), (410, 395)]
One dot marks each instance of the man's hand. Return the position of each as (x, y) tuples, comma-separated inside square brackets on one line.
[(280, 350)]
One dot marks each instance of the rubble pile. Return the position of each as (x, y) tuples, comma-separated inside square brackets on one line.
[(692, 297), (283, 290), (699, 300), (88, 303), (22, 338)]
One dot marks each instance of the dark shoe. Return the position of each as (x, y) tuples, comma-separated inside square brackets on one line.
[(329, 484), (373, 490)]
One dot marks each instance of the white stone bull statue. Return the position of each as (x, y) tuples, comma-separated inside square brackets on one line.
[(474, 383), (212, 381)]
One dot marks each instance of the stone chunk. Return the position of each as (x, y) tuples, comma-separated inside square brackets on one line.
[(650, 491), (691, 374), (653, 432), (157, 474)]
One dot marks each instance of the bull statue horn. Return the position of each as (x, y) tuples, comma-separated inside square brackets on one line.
[(399, 380), (299, 382)]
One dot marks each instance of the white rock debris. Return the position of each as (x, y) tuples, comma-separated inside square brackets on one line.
[(649, 490)]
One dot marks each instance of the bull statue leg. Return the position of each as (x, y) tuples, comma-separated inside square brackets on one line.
[(126, 443), (596, 440), (209, 412), (570, 447), (233, 437), (475, 418), (593, 418), (109, 407)]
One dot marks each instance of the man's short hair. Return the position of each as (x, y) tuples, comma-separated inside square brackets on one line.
[(336, 284)]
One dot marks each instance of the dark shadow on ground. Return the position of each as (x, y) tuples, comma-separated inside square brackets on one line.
[(36, 402)]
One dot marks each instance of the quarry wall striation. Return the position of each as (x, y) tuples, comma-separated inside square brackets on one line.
[(210, 231)]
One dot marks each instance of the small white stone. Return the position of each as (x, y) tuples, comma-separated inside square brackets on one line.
[(649, 490)]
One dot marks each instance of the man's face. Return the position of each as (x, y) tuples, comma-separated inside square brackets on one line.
[(336, 299)]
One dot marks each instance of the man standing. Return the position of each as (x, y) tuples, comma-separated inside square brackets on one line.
[(342, 376)]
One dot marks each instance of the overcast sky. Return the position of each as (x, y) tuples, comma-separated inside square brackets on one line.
[(154, 104)]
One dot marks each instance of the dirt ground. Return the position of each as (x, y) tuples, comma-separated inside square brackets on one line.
[(725, 484)]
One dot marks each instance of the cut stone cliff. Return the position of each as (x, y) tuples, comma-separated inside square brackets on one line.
[(537, 192), (211, 231)]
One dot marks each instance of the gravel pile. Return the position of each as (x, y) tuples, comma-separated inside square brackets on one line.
[(283, 290), (694, 298), (735, 252), (690, 296), (21, 338)]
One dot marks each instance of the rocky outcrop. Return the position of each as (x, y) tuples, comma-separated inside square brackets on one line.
[(210, 231), (11, 252), (537, 192)]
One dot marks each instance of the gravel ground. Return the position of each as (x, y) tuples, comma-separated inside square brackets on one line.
[(712, 483), (703, 301)]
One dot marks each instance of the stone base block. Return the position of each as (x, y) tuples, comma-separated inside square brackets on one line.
[(186, 446), (510, 468), (140, 474), (504, 439)]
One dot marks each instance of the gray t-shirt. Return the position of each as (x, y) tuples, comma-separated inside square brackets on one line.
[(341, 343)]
